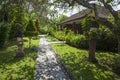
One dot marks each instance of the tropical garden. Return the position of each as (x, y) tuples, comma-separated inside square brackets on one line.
[(90, 55)]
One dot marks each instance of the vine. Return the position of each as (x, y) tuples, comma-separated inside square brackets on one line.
[(89, 28)]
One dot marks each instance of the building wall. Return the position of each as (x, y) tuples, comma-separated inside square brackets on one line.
[(76, 28)]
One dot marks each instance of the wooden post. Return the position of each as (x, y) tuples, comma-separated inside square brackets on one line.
[(92, 49), (92, 44), (74, 28)]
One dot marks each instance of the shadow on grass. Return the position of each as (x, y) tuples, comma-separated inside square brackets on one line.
[(83, 70), (8, 56), (76, 62), (10, 44), (17, 68), (25, 40), (35, 38)]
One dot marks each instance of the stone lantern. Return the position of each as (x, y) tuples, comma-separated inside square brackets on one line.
[(19, 36)]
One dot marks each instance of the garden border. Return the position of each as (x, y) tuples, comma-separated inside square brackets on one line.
[(60, 62)]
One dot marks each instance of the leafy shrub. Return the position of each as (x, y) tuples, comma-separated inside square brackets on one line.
[(111, 60), (116, 65), (30, 34), (102, 35), (43, 30), (37, 24), (4, 33), (76, 40), (15, 28), (69, 37), (47, 30), (31, 31), (106, 38), (60, 35), (13, 31), (81, 42), (51, 31), (31, 26)]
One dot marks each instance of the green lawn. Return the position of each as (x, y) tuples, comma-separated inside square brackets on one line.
[(12, 68), (51, 39), (76, 62)]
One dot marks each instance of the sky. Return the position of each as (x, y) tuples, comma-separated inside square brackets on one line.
[(76, 10), (70, 12)]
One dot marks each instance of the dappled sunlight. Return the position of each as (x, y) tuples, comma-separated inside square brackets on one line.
[(12, 68), (47, 65), (76, 62), (59, 39)]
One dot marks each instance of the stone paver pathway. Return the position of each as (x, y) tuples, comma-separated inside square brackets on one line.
[(47, 66)]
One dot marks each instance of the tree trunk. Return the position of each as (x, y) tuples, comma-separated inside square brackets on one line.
[(118, 44), (92, 48)]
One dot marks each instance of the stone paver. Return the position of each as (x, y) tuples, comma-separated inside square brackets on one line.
[(47, 66), (57, 42)]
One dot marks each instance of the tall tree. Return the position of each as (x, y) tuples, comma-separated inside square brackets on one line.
[(114, 25)]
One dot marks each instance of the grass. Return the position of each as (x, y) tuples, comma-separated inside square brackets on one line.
[(51, 39), (76, 62), (12, 68)]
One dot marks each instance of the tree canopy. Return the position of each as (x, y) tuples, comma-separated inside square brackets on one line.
[(114, 25), (12, 10)]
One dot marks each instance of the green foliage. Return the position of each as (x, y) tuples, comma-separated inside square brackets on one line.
[(43, 30), (21, 17), (12, 68), (93, 34), (51, 30), (4, 33), (111, 60), (118, 27), (13, 31), (37, 24), (116, 64), (80, 41), (76, 62), (87, 24), (109, 1), (51, 38), (31, 34), (47, 30), (31, 29), (106, 38), (76, 40), (30, 26), (102, 34), (56, 21), (60, 35), (62, 17), (69, 37)]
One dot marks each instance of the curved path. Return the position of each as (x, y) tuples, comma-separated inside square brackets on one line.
[(47, 66)]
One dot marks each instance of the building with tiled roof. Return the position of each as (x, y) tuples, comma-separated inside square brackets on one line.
[(74, 22)]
